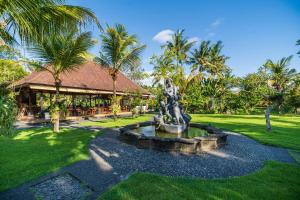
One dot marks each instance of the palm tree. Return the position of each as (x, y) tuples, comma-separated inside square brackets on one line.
[(61, 53), (178, 48), (208, 58), (208, 63), (281, 77), (200, 57), (163, 68), (34, 20), (119, 52)]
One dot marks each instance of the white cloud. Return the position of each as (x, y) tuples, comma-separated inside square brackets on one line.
[(216, 23), (163, 36), (194, 39)]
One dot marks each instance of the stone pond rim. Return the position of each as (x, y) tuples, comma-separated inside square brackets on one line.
[(214, 140)]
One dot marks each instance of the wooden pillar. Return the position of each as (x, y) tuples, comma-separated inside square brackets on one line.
[(90, 101), (41, 101), (98, 105), (29, 103), (73, 105)]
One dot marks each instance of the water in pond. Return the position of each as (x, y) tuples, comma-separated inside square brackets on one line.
[(190, 133)]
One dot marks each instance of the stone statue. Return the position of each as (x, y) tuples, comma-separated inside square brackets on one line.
[(171, 117)]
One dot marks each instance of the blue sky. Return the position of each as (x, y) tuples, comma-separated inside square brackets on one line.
[(251, 31)]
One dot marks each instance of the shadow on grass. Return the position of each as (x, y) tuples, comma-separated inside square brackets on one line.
[(37, 151)]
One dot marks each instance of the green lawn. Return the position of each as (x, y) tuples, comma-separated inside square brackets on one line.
[(35, 152), (286, 129), (274, 181), (119, 122)]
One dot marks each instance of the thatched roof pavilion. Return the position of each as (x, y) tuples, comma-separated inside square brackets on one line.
[(89, 80)]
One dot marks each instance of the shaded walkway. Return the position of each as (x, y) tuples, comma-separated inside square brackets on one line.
[(112, 161)]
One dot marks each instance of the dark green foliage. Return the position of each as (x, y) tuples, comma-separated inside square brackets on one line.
[(210, 86), (8, 111), (11, 71)]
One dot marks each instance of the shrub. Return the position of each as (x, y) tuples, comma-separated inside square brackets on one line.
[(8, 112)]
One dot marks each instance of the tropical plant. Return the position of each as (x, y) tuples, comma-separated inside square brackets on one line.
[(116, 107), (252, 90), (11, 71), (8, 111), (32, 21), (208, 65), (208, 58), (194, 99), (280, 79), (119, 52), (61, 53), (293, 96), (177, 49), (138, 75), (163, 68)]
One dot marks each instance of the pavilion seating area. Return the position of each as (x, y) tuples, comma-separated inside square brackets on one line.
[(86, 92)]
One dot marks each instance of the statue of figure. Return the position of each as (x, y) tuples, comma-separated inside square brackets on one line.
[(171, 107)]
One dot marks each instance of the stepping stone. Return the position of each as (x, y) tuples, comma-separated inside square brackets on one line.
[(62, 187)]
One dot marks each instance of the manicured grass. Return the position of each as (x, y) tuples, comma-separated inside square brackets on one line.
[(286, 129), (119, 122), (274, 181), (35, 152), (296, 155)]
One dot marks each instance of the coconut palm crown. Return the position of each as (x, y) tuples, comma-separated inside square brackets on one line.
[(60, 53), (120, 51), (30, 21)]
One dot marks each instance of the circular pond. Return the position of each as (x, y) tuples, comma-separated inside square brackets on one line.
[(197, 138), (150, 131)]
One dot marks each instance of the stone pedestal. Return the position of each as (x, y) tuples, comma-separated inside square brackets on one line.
[(173, 128)]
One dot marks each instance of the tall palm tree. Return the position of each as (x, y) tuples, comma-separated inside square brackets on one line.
[(281, 77), (200, 57), (61, 53), (163, 68), (280, 74), (119, 52), (208, 58), (30, 20), (208, 63), (178, 48)]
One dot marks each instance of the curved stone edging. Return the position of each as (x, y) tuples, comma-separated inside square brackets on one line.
[(215, 139)]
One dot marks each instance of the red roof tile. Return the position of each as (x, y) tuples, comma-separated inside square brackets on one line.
[(88, 76)]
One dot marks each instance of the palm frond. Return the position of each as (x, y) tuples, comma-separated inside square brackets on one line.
[(64, 51), (32, 21)]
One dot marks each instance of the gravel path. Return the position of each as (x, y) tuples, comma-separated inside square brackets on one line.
[(112, 161)]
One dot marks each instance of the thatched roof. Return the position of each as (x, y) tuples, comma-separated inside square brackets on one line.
[(87, 77)]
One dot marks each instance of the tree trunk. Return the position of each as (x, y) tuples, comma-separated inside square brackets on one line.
[(267, 115), (114, 77), (57, 111), (212, 105)]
